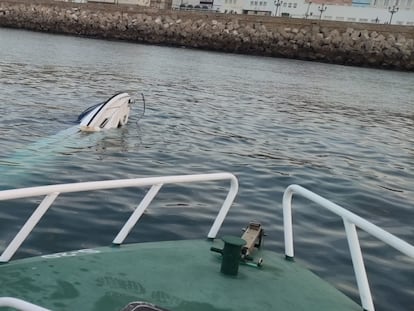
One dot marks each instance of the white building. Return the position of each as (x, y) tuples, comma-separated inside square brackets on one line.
[(399, 12), (376, 12)]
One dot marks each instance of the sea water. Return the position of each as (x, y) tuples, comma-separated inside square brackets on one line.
[(346, 133)]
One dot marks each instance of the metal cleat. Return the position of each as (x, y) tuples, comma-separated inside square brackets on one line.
[(253, 235)]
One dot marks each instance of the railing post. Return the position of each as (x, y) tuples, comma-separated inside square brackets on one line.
[(287, 223), (28, 227), (359, 268), (119, 239), (234, 188)]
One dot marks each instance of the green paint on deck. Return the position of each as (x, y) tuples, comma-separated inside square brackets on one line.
[(177, 275)]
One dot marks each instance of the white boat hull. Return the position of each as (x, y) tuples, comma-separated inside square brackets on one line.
[(113, 113)]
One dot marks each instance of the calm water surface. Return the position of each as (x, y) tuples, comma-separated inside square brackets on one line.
[(345, 133)]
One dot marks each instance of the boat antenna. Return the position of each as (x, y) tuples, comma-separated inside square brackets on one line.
[(143, 105)]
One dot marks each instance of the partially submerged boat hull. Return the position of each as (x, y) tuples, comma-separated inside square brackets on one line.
[(113, 113)]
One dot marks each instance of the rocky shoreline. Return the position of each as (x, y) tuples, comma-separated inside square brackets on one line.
[(378, 46)]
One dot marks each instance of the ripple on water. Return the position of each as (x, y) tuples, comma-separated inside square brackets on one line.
[(272, 122)]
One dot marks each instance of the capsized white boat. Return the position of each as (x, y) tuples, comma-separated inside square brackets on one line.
[(113, 113)]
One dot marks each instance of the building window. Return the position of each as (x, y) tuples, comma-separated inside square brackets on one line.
[(295, 5), (284, 4), (251, 2), (260, 3), (265, 3), (255, 3), (289, 5)]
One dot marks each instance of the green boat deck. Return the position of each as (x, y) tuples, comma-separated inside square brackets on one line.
[(177, 275)]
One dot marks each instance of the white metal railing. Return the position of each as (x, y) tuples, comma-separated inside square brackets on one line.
[(351, 221), (20, 304), (53, 191)]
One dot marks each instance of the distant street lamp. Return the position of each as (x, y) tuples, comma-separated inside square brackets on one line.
[(307, 11), (392, 10), (322, 9), (278, 3)]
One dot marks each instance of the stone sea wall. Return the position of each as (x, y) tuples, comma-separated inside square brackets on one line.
[(380, 46)]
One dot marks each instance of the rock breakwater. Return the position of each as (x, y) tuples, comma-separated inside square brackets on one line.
[(380, 46)]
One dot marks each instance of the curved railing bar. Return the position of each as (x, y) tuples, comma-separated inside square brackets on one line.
[(53, 191), (20, 304), (351, 221)]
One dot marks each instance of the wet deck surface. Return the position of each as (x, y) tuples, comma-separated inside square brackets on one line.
[(175, 275)]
